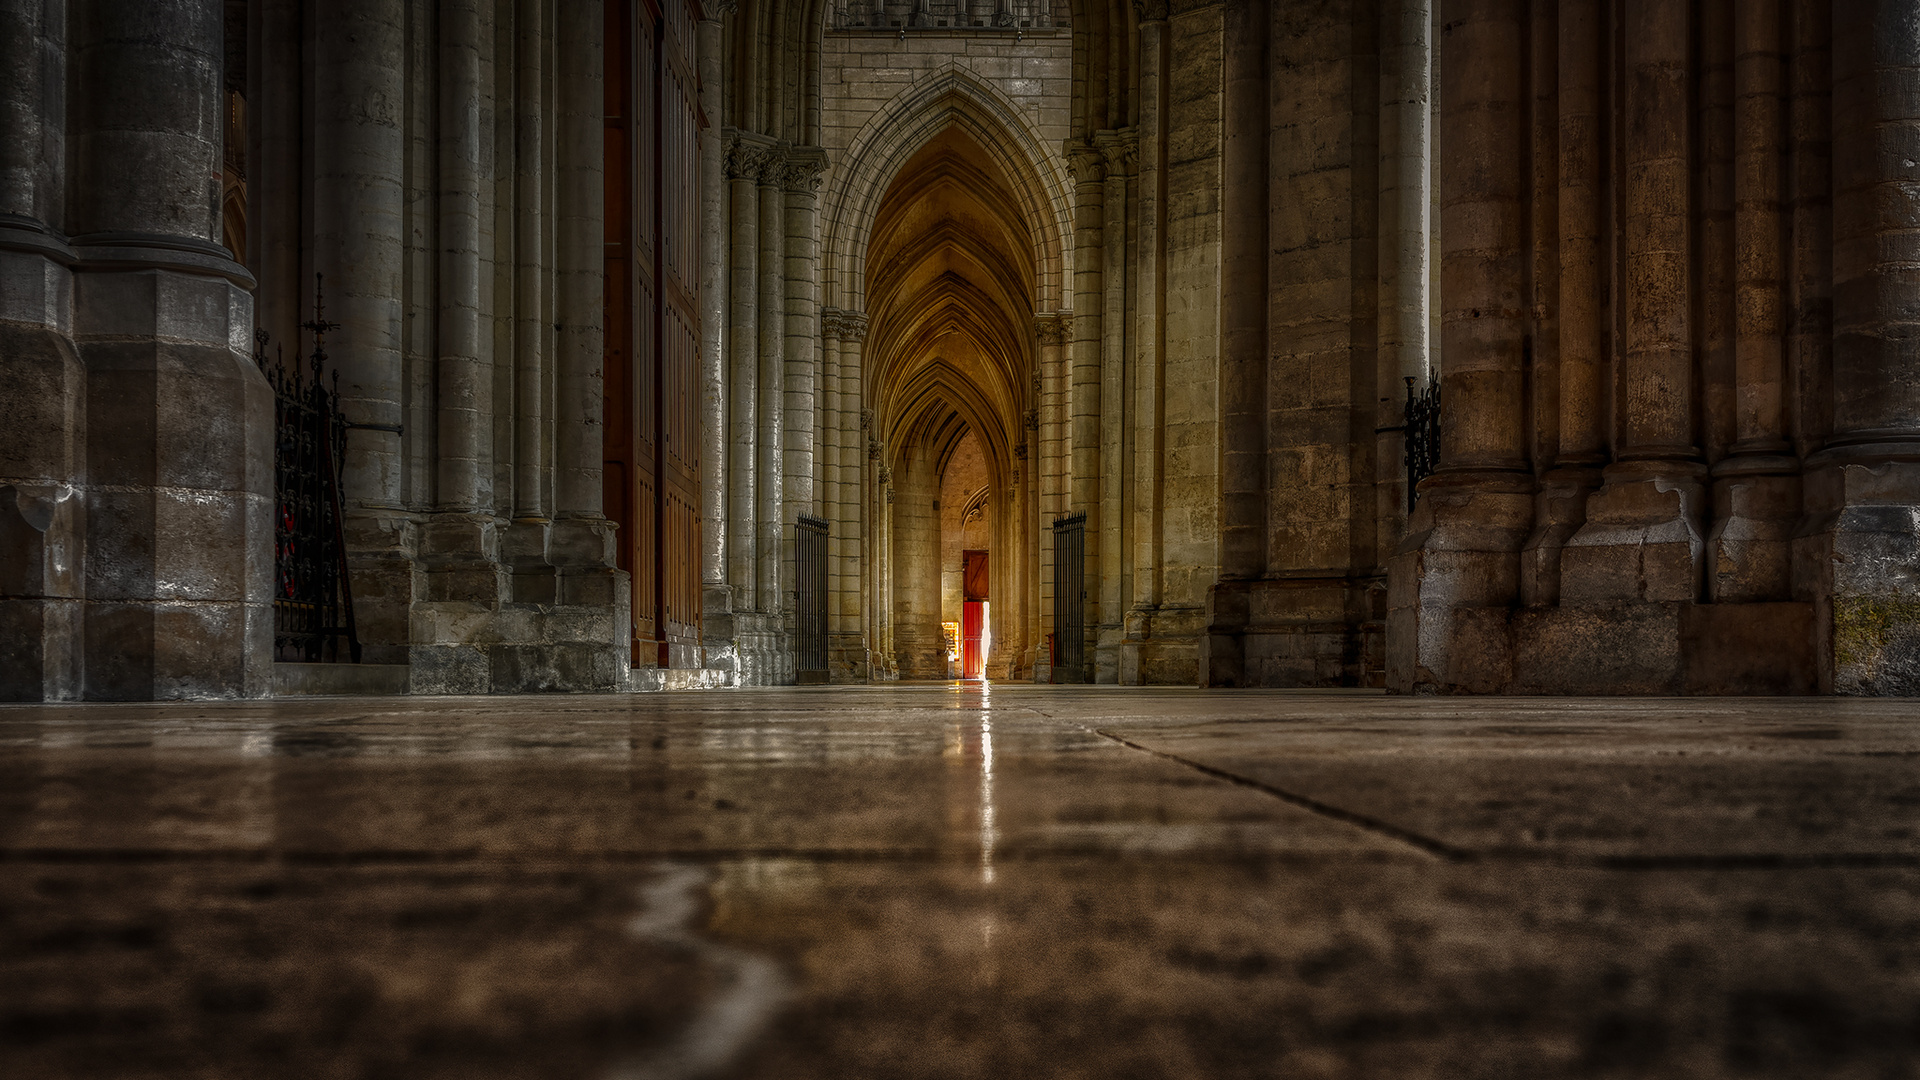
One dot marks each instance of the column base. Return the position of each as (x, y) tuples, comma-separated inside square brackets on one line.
[(1560, 511), (1857, 557), (1643, 538), (1452, 581), (1304, 631), (1756, 511), (847, 657), (179, 500)]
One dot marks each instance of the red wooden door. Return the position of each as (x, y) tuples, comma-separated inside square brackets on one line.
[(973, 625), (652, 266), (973, 614)]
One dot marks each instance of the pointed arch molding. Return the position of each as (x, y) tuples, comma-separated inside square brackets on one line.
[(948, 96)]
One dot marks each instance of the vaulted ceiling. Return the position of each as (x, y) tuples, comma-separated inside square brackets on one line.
[(949, 297)]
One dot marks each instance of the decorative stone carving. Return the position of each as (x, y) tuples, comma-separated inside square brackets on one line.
[(719, 9), (1020, 448), (1088, 164), (800, 171), (866, 419), (1053, 329), (843, 325), (1033, 421), (744, 160), (1121, 149)]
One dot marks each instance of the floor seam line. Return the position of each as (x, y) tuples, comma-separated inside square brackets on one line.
[(1426, 844)]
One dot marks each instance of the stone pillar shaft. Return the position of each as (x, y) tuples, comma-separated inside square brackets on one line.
[(1107, 530), (1656, 410), (530, 247), (715, 462), (1582, 272), (1483, 265), (178, 555), (358, 157), (802, 306), (743, 382), (1085, 393), (42, 381), (1405, 202), (579, 268), (465, 390), (772, 404), (1876, 242), (1147, 355)]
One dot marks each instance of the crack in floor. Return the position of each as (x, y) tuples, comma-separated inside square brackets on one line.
[(1847, 860)]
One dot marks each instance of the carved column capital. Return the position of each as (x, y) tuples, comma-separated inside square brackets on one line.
[(801, 168), (1053, 329), (746, 158), (1088, 164), (719, 9), (1121, 149)]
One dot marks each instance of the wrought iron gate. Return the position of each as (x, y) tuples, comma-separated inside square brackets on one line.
[(312, 596), (1070, 599), (810, 607), (1423, 436)]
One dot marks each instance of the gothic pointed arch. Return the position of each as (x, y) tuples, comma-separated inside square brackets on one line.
[(948, 98)]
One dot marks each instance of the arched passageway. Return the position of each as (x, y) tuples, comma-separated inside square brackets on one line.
[(950, 284)]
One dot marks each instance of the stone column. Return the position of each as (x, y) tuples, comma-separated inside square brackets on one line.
[(583, 542), (460, 545), (828, 438), (772, 331), (743, 379), (1142, 550), (1243, 342), (1863, 488), (42, 381), (1644, 536), (1084, 391), (1581, 275), (1756, 490), (801, 183), (1405, 142), (1454, 578), (1106, 539), (357, 155), (883, 561), (1019, 536), (920, 646), (1553, 505), (849, 642), (715, 463), (528, 537), (1053, 340), (179, 423)]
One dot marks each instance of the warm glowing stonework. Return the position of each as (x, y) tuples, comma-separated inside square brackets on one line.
[(624, 292)]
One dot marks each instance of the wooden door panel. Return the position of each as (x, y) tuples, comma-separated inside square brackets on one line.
[(652, 321)]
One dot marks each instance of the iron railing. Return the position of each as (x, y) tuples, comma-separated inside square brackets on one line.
[(1070, 599), (810, 606), (312, 598), (1423, 436)]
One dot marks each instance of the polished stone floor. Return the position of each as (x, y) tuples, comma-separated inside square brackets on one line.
[(961, 881)]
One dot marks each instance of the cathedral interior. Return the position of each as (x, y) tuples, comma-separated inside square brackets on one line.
[(963, 538)]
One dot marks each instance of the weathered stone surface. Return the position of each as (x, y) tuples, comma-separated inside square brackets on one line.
[(1149, 881)]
